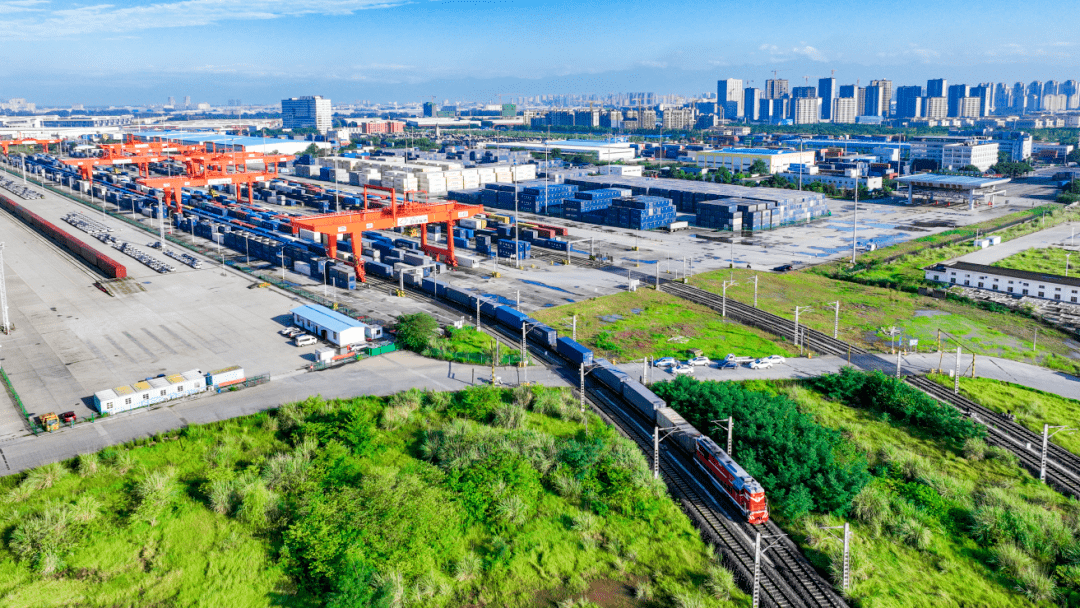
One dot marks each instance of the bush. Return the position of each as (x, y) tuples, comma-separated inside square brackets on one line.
[(416, 331), (802, 465), (974, 449), (877, 392)]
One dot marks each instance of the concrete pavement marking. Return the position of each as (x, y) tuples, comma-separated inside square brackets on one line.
[(149, 353), (159, 341), (120, 349), (176, 337)]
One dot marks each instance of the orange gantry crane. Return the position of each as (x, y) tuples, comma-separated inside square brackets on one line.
[(139, 148), (86, 165), (28, 141), (395, 215), (213, 176), (221, 161)]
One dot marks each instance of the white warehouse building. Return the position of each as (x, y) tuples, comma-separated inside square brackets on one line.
[(149, 391), (1006, 280), (333, 326)]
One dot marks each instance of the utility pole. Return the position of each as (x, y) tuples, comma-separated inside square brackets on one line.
[(956, 374), (477, 314), (573, 329), (855, 219), (1035, 340), (798, 310), (845, 580), (730, 420), (836, 322), (656, 439), (3, 293), (1045, 443), (723, 308), (657, 275), (758, 551), (755, 290)]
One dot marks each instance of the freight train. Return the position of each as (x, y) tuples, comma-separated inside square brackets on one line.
[(108, 266), (726, 474)]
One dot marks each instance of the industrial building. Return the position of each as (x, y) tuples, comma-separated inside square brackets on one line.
[(227, 143), (845, 180), (741, 159), (306, 112), (607, 150), (1006, 280), (956, 188), (978, 154), (333, 326), (149, 391)]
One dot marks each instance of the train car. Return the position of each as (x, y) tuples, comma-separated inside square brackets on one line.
[(542, 335), (743, 489), (460, 296), (573, 352), (490, 307), (609, 375), (642, 398), (511, 317)]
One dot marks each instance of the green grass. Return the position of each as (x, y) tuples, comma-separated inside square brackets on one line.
[(1048, 260), (657, 325), (1033, 408), (396, 520), (466, 340), (950, 567), (865, 310)]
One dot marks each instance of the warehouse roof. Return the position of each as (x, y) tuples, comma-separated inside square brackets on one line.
[(953, 181), (757, 151), (1024, 275), (324, 317)]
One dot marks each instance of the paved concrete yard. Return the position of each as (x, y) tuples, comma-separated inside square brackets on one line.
[(1058, 236)]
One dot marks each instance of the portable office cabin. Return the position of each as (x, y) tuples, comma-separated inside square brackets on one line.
[(329, 325)]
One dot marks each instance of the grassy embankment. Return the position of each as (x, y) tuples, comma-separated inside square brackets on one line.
[(1049, 260), (1033, 408), (865, 310), (629, 326), (483, 497), (939, 524)]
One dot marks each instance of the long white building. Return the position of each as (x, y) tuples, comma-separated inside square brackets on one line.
[(1006, 280)]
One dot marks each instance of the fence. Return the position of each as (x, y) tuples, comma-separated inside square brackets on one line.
[(34, 427), (473, 358)]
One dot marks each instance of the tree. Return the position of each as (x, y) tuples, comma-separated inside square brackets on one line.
[(1011, 169), (416, 331), (971, 168), (758, 167)]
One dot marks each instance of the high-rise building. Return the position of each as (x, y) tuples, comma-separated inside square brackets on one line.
[(844, 110), (589, 119), (187, 101), (730, 90), (936, 88), (752, 103), (956, 93), (776, 88), (677, 119), (827, 92), (969, 107), (1002, 97), (909, 102), (985, 94), (1019, 98), (1071, 90), (430, 109), (801, 92), (885, 95), (935, 108), (172, 102), (873, 101), (1050, 87), (806, 110), (306, 112), (858, 94)]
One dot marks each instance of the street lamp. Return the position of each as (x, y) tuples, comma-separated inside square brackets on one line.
[(798, 310), (725, 285), (855, 219), (1045, 441)]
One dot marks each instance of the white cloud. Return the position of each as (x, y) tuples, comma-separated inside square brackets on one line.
[(653, 64), (31, 20), (810, 53)]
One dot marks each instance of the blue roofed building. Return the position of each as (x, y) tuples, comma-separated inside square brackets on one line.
[(223, 142), (333, 326)]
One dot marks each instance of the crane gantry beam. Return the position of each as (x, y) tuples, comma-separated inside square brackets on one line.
[(28, 141), (407, 213), (86, 165)]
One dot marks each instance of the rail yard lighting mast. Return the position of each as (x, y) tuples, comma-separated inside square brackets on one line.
[(799, 310), (758, 552), (1045, 444)]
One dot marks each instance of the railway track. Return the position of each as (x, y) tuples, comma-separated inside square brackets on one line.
[(1063, 467), (787, 578), (560, 258)]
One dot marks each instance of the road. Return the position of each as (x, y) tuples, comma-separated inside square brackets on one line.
[(383, 375), (1058, 236)]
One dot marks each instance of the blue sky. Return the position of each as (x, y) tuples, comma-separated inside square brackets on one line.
[(60, 52)]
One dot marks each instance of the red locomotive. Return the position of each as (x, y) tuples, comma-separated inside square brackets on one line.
[(743, 489)]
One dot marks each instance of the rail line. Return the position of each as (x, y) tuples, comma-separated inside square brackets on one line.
[(787, 578), (1063, 467)]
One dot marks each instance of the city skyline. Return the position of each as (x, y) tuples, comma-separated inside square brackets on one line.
[(261, 51)]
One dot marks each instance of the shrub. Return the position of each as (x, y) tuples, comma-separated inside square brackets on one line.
[(416, 331), (974, 449), (467, 567), (802, 465), (720, 583), (509, 416), (42, 537), (88, 464), (43, 478), (155, 491)]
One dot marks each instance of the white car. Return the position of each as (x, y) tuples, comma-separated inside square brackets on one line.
[(761, 364), (701, 360), (775, 359), (680, 370), (666, 362)]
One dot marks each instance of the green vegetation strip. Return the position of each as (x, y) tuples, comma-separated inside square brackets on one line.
[(1049, 260), (486, 497), (629, 326), (34, 427), (867, 312), (1033, 408)]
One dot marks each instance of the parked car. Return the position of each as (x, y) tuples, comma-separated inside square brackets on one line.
[(760, 364), (680, 370), (699, 360), (305, 340), (68, 417), (290, 332), (776, 359), (737, 359), (666, 362), (727, 365), (784, 268)]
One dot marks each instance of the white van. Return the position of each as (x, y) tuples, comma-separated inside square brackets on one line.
[(305, 340)]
